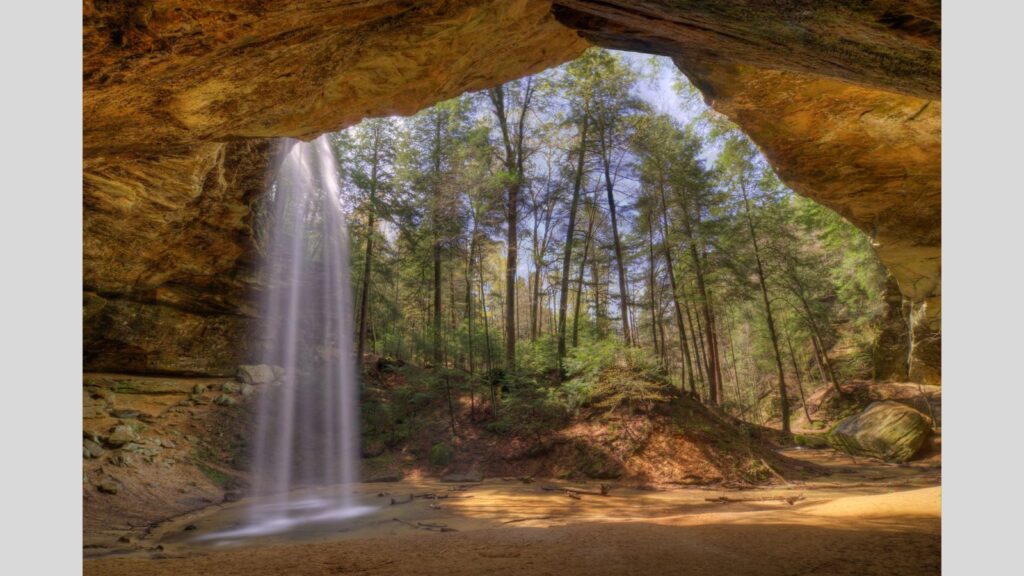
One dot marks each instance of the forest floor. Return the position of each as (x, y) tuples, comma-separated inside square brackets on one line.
[(859, 517)]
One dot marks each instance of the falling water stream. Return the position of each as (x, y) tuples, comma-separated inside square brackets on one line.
[(306, 436)]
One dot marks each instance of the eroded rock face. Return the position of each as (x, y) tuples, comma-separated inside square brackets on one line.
[(842, 97), (167, 258), (892, 347), (159, 73), (890, 45)]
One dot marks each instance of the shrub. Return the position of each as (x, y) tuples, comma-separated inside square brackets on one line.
[(604, 375), (441, 454), (539, 356), (530, 409)]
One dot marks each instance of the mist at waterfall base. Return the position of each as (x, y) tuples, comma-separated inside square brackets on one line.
[(305, 443)]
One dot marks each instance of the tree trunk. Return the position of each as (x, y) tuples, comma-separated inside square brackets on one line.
[(469, 303), (650, 285), (579, 283), (618, 253), (707, 328), (687, 362), (365, 292), (799, 379), (438, 345), (783, 397), (364, 296), (483, 309), (563, 299)]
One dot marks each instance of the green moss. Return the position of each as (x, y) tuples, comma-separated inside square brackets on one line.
[(811, 440), (216, 476)]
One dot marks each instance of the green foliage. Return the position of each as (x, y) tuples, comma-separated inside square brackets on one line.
[(441, 454), (538, 356), (605, 375)]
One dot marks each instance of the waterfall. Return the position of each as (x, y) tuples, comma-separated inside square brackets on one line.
[(306, 434)]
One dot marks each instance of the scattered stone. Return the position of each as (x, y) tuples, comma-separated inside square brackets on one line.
[(191, 439), (125, 414), (393, 477), (122, 435), (141, 450), (191, 527), (247, 390), (122, 460), (229, 388), (198, 399), (93, 407), (185, 403), (107, 487), (225, 400), (199, 389), (91, 449), (232, 496), (167, 443), (887, 430), (124, 540), (256, 374), (104, 393)]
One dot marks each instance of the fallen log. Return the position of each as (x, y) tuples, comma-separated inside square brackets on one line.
[(787, 499), (605, 489)]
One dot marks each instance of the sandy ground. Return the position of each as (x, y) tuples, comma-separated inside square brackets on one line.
[(865, 518)]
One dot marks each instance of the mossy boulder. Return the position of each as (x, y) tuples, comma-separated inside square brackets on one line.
[(887, 430)]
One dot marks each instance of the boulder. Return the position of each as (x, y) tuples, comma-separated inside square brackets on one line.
[(224, 400), (91, 449), (887, 430), (255, 374), (246, 390), (278, 372), (229, 388), (122, 435), (107, 487)]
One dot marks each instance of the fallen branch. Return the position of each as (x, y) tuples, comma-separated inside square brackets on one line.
[(774, 473), (426, 526), (787, 499), (434, 496), (605, 489), (514, 520)]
